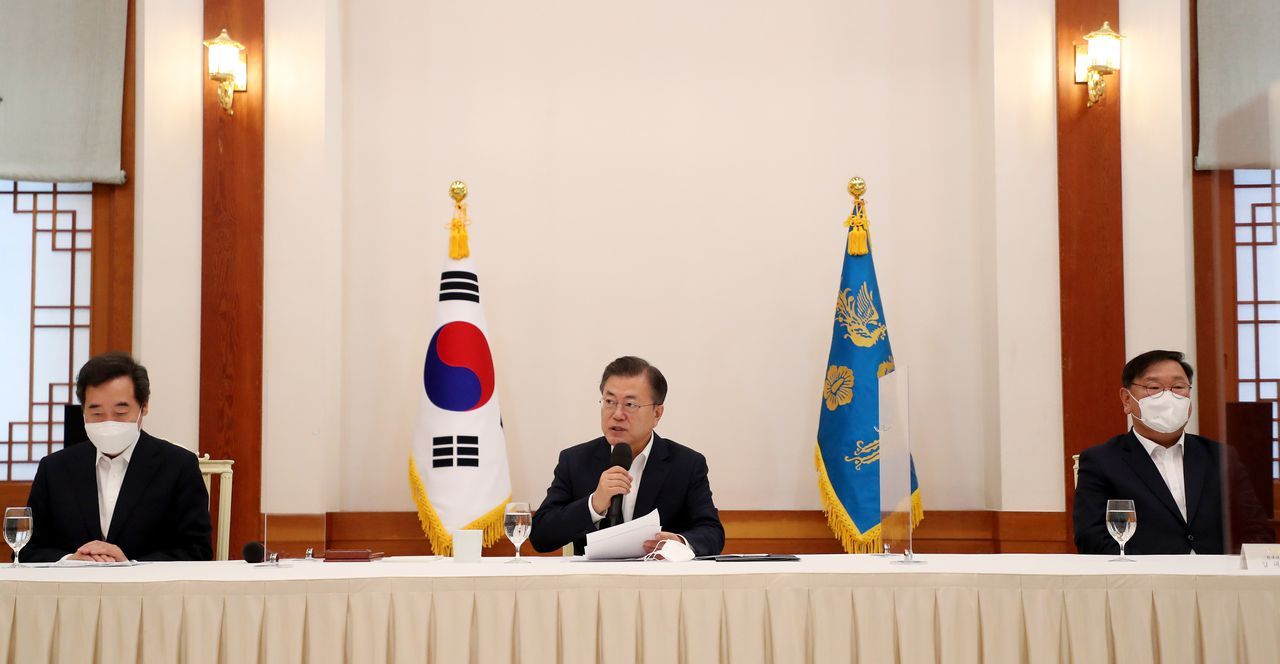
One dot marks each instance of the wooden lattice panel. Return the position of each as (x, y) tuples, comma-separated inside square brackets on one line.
[(38, 364), (1258, 292)]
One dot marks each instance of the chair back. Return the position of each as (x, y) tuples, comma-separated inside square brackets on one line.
[(221, 468)]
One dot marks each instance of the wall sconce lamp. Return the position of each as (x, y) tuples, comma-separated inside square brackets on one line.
[(228, 67), (1099, 57)]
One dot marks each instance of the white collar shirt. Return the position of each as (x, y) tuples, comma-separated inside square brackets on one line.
[(637, 470), (1168, 461), (110, 479)]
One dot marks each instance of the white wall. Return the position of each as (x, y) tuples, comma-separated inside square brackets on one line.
[(666, 181), (303, 234), (1155, 139), (1027, 469), (669, 181), (166, 314)]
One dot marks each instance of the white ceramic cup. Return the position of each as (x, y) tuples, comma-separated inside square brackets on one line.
[(466, 545)]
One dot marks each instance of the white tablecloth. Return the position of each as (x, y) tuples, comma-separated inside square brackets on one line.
[(1002, 608)]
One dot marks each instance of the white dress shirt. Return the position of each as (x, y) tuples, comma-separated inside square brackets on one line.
[(110, 478), (1168, 461), (629, 499)]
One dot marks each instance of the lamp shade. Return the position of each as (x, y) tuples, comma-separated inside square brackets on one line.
[(224, 56), (1104, 49)]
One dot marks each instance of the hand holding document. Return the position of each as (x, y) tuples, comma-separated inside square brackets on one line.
[(624, 540)]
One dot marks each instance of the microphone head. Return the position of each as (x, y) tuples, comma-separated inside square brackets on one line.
[(253, 552), (621, 456)]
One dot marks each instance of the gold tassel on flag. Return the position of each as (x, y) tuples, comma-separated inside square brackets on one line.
[(859, 242), (458, 247)]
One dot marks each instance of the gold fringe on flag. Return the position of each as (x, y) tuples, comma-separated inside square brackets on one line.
[(441, 539), (851, 539)]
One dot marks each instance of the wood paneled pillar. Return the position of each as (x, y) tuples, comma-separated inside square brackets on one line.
[(232, 271), (111, 287), (1090, 234)]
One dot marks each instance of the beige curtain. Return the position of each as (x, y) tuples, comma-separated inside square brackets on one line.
[(1239, 45), (61, 89)]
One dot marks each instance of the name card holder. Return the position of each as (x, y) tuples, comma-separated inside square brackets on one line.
[(1261, 558)]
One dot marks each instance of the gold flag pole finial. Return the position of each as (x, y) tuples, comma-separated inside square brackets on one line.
[(458, 247), (859, 242)]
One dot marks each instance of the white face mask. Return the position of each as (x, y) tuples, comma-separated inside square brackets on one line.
[(112, 438), (1165, 412), (671, 550)]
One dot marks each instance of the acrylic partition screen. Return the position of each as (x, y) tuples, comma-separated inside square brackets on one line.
[(895, 460)]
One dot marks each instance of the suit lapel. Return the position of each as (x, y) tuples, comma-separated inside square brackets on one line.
[(1196, 464), (1138, 459), (84, 484), (655, 473), (142, 468)]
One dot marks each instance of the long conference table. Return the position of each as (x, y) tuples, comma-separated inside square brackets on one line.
[(951, 608)]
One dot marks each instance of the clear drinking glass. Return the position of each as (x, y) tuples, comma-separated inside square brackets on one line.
[(517, 521), (1122, 522), (17, 530)]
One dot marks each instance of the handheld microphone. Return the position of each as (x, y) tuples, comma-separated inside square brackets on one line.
[(620, 456), (253, 552)]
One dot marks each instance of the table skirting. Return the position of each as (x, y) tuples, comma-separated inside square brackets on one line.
[(822, 609)]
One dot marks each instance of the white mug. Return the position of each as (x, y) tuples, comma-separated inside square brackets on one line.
[(466, 545)]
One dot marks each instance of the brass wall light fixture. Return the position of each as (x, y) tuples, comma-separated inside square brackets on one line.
[(227, 66), (1098, 58)]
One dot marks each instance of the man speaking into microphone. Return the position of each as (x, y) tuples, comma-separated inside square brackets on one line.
[(628, 472)]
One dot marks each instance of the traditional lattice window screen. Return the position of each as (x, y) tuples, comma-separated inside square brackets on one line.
[(1258, 291), (45, 245)]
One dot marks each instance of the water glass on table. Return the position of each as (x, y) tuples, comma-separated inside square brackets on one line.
[(517, 521), (17, 530), (1122, 522)]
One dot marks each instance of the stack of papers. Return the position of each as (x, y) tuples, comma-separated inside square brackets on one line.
[(624, 541)]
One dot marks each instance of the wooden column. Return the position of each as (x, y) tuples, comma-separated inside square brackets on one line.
[(1090, 240), (111, 288), (231, 271)]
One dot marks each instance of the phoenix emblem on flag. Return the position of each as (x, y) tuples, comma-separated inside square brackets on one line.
[(859, 317)]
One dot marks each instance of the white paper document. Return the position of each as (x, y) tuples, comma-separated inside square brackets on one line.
[(67, 562), (624, 540)]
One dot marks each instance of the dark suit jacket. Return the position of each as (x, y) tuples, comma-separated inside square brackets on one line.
[(162, 512), (1122, 469), (674, 481)]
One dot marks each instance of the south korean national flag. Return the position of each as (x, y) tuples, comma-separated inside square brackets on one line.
[(458, 471)]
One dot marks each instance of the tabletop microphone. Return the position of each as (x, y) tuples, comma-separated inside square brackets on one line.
[(620, 456), (253, 552)]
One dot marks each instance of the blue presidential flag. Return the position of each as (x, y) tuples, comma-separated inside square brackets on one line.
[(848, 451)]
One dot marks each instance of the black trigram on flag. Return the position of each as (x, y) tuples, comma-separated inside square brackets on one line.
[(448, 451), (459, 285)]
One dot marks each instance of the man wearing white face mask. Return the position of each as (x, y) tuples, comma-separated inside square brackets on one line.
[(125, 496), (1174, 478)]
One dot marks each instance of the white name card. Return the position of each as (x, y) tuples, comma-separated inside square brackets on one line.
[(1264, 558)]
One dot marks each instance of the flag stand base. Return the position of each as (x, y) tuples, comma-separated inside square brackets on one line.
[(909, 558)]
